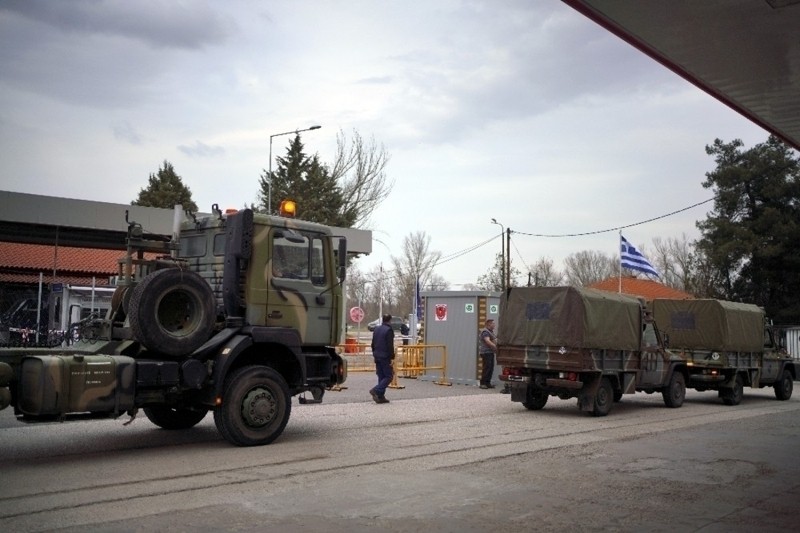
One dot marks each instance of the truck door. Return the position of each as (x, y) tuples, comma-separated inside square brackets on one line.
[(299, 295), (654, 360)]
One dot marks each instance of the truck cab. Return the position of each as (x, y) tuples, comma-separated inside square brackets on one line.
[(235, 314)]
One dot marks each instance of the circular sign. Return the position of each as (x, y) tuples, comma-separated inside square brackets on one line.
[(356, 314)]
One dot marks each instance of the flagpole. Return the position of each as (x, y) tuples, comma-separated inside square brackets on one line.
[(619, 248)]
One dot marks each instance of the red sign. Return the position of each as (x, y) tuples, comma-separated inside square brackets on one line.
[(356, 314), (441, 312)]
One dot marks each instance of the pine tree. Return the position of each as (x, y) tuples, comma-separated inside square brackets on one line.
[(166, 189), (750, 238), (309, 183)]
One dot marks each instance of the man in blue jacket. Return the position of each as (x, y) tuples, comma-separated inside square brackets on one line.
[(383, 353)]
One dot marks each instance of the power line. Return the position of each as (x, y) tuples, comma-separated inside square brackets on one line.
[(618, 228), (389, 274), (472, 248)]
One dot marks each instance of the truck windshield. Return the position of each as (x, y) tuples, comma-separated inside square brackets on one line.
[(299, 258)]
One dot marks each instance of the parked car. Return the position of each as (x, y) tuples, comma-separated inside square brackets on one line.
[(396, 322)]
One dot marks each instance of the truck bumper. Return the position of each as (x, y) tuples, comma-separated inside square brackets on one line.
[(704, 378), (563, 384)]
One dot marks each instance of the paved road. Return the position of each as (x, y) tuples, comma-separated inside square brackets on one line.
[(435, 459)]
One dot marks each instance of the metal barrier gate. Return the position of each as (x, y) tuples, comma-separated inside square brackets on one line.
[(411, 361)]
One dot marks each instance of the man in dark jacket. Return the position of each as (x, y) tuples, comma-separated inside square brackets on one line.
[(487, 349), (383, 353)]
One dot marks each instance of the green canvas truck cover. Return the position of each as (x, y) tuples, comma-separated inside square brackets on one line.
[(569, 316), (707, 324)]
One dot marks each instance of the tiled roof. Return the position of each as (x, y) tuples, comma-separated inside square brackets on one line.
[(19, 257), (32, 278), (645, 288)]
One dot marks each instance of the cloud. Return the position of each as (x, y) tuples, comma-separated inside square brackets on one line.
[(472, 65), (200, 149), (102, 53), (188, 24), (125, 132)]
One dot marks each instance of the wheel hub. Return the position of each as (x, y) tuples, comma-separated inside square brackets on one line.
[(258, 407), (177, 313)]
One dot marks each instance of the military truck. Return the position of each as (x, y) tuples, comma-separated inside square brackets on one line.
[(235, 313), (582, 343), (726, 346)]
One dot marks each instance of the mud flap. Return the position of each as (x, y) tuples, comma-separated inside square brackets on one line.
[(586, 397), (519, 392)]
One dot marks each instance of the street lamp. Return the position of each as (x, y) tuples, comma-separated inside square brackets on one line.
[(502, 255), (269, 189)]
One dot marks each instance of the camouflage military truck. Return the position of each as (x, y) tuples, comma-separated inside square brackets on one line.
[(726, 346), (235, 314), (581, 343)]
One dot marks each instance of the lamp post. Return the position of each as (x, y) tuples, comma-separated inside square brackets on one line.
[(269, 189), (502, 255)]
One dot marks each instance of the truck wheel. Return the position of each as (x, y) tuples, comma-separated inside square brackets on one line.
[(604, 398), (169, 418), (784, 386), (255, 406), (536, 400), (675, 392), (734, 396), (172, 311)]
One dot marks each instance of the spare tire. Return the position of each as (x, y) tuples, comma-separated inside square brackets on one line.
[(172, 311)]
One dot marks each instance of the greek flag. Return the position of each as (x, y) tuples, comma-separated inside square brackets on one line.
[(630, 258)]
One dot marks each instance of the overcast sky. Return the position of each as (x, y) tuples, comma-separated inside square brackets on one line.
[(524, 111)]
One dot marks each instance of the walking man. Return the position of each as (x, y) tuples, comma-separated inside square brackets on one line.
[(487, 347), (383, 353)]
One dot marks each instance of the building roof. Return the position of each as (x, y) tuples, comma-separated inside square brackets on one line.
[(643, 288), (37, 257), (22, 263), (32, 278)]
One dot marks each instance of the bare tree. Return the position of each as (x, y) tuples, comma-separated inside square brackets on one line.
[(493, 279), (587, 267), (675, 259), (416, 263), (360, 171), (357, 291), (435, 282), (544, 274), (373, 291), (701, 282)]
